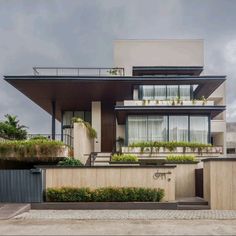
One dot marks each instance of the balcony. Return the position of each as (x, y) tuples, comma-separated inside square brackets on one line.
[(78, 71)]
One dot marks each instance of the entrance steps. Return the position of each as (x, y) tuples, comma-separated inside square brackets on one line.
[(102, 159), (194, 203)]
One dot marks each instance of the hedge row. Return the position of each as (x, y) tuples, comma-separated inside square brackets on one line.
[(124, 158), (109, 194)]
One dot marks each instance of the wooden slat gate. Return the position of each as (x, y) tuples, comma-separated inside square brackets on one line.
[(21, 186)]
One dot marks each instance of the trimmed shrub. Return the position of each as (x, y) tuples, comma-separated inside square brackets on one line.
[(124, 158), (108, 194), (70, 162), (180, 158)]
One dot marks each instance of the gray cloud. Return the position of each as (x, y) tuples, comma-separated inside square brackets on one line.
[(80, 33)]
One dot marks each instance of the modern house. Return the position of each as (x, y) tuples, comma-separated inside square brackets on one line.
[(155, 91)]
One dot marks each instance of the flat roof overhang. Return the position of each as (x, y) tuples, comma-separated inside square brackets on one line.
[(168, 70), (76, 92), (123, 111)]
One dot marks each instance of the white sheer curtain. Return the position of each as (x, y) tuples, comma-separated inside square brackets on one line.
[(137, 128), (160, 92), (157, 128), (184, 92), (199, 129), (172, 91), (178, 128), (148, 92)]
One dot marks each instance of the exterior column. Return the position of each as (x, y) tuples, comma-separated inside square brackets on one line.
[(53, 120), (96, 124)]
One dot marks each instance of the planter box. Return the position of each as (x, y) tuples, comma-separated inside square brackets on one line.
[(208, 151), (119, 163), (39, 156)]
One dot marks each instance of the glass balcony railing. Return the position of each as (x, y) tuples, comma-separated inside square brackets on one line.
[(78, 71)]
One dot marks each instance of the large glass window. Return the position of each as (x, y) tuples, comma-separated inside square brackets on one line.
[(178, 128), (147, 128), (157, 128), (148, 92), (184, 92), (160, 92), (165, 92), (199, 129), (172, 91), (137, 128)]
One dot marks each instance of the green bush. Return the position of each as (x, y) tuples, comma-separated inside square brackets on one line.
[(180, 158), (70, 162), (171, 146), (92, 132), (38, 150), (124, 158), (108, 194)]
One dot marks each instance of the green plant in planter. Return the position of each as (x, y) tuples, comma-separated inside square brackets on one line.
[(124, 158), (38, 150), (204, 100), (180, 158), (70, 161), (173, 102), (92, 132)]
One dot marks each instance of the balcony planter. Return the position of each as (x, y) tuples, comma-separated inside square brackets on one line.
[(47, 151)]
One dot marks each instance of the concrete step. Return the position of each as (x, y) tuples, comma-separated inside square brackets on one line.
[(8, 211), (105, 159), (101, 164), (192, 201), (103, 154), (193, 207)]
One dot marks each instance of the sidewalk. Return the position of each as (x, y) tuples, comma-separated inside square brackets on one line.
[(128, 214)]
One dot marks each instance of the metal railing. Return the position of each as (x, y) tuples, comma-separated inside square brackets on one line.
[(67, 139), (79, 71)]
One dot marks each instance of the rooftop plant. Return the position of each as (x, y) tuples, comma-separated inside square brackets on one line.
[(92, 132), (11, 129), (124, 158), (108, 194), (180, 158), (38, 150)]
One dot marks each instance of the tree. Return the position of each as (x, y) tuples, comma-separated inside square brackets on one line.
[(11, 129)]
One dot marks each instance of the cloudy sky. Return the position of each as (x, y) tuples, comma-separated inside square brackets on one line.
[(80, 33)]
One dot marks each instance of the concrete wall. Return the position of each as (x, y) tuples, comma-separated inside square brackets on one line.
[(220, 183), (96, 124), (129, 53), (185, 180), (83, 144), (218, 125), (113, 177)]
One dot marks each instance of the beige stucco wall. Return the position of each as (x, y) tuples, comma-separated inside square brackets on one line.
[(220, 184), (83, 144), (185, 180), (113, 177), (129, 53), (96, 124)]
